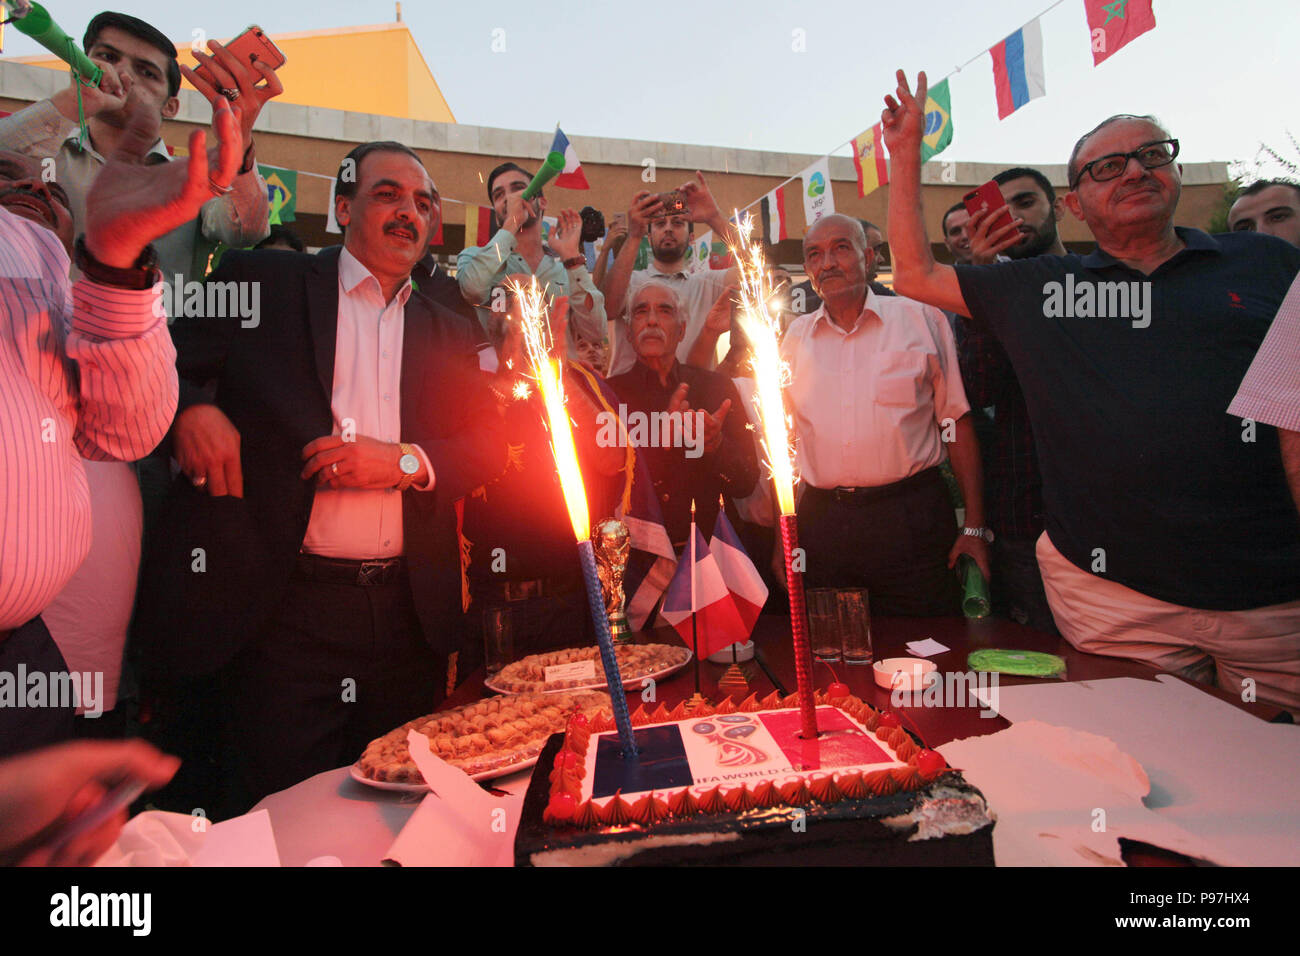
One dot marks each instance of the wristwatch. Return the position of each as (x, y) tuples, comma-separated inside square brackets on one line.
[(574, 261), (985, 533), (409, 464), (141, 275)]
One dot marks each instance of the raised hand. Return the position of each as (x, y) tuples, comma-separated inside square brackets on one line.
[(131, 204), (986, 243), (713, 426), (520, 212), (903, 119), (645, 206), (719, 318), (566, 236), (107, 97), (699, 199), (222, 70)]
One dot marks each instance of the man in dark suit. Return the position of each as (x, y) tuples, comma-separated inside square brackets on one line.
[(308, 567)]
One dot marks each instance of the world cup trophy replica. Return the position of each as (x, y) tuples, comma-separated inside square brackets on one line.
[(612, 545)]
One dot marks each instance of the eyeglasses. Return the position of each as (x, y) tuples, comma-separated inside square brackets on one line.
[(1112, 165)]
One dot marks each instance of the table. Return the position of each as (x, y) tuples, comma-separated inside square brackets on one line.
[(332, 815)]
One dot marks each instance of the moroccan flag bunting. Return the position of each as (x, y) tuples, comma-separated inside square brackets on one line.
[(1115, 23)]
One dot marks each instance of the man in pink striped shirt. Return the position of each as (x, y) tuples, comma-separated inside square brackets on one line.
[(86, 370)]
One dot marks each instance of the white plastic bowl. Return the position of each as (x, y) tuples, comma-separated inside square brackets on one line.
[(904, 673)]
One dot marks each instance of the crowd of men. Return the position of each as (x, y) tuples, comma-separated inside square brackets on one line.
[(326, 496)]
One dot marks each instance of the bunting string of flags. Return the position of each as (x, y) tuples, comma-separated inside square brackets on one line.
[(1019, 77)]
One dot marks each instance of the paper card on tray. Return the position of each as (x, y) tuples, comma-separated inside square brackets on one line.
[(578, 670), (927, 648), (240, 841)]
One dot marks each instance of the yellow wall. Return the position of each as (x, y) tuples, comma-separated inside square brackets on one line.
[(371, 69)]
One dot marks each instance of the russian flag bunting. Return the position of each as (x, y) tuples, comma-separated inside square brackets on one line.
[(1018, 68), (572, 177)]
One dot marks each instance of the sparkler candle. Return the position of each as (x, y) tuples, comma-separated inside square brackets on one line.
[(547, 372), (763, 330)]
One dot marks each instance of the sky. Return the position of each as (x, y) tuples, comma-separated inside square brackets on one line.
[(1221, 76)]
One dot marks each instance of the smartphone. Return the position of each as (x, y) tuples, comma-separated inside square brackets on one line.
[(988, 197), (674, 203), (252, 45)]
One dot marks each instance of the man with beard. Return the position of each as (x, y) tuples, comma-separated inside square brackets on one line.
[(1013, 488), (318, 492), (1270, 206), (1171, 537), (670, 238), (517, 249)]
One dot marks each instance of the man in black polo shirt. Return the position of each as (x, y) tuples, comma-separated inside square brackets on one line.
[(1170, 534), (712, 453)]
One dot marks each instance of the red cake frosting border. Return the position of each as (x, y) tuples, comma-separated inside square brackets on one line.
[(921, 768)]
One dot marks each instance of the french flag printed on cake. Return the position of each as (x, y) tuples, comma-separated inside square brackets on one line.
[(698, 585), (572, 177), (738, 572), (1018, 68)]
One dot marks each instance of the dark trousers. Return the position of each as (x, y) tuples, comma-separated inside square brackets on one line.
[(339, 665), (545, 614), (1017, 585), (24, 727), (893, 541)]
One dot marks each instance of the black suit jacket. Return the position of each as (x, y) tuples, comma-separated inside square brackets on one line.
[(216, 567)]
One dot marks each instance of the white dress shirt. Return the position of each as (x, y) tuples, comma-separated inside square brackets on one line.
[(870, 404), (363, 523), (697, 291)]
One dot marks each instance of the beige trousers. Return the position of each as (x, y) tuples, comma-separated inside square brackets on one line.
[(1254, 653)]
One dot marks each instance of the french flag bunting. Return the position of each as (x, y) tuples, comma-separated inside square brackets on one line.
[(1018, 68), (698, 586), (738, 572), (572, 177)]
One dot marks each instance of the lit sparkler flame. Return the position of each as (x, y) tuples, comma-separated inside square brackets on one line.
[(762, 327), (548, 374)]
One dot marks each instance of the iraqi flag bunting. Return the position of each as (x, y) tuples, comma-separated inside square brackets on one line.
[(572, 177), (738, 572), (869, 160), (698, 586), (1115, 23), (1018, 68), (772, 209)]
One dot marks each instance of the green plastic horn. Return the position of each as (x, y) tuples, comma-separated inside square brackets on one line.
[(975, 590), (553, 166), (40, 26)]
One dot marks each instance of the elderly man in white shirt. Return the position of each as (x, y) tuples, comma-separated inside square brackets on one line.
[(878, 405)]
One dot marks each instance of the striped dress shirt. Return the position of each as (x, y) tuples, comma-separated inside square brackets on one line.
[(86, 370)]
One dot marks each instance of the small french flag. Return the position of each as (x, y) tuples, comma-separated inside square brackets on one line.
[(572, 177), (697, 587), (1018, 68), (738, 572)]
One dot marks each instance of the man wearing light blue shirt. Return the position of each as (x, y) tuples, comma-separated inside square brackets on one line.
[(517, 248)]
